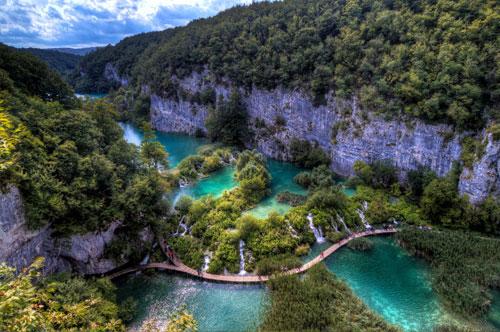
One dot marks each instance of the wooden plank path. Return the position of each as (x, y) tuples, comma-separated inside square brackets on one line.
[(178, 266)]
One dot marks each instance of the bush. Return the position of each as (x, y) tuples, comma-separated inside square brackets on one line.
[(290, 198), (277, 264), (379, 174), (360, 244), (302, 250), (228, 123), (319, 177), (306, 155)]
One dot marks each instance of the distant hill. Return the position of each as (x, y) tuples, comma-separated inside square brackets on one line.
[(63, 63), (75, 51), (22, 71)]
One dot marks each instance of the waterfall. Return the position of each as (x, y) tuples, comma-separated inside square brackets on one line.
[(334, 224), (339, 217), (361, 213), (145, 260), (183, 226), (293, 232), (318, 233), (206, 262), (242, 258)]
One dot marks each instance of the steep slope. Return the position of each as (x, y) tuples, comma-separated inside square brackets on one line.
[(32, 76), (426, 59), (364, 80), (63, 63)]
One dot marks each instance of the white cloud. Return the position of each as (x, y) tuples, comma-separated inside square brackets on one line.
[(79, 23)]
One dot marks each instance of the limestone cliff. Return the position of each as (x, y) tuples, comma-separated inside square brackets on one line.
[(19, 245), (345, 131)]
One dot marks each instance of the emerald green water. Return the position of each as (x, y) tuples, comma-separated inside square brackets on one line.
[(214, 185), (216, 307), (282, 180), (494, 313), (178, 146), (391, 283), (388, 280)]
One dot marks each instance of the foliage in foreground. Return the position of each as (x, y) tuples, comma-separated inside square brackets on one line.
[(31, 303), (179, 321), (319, 302), (464, 266)]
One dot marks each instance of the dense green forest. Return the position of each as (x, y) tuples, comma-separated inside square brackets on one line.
[(124, 56), (25, 72), (64, 63), (75, 171), (435, 60)]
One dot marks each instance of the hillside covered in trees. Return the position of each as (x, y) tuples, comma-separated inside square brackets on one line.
[(62, 62), (434, 60)]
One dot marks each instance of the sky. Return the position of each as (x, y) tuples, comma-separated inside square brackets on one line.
[(85, 23)]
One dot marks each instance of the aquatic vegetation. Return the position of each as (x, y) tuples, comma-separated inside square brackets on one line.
[(319, 302), (464, 266), (290, 198), (277, 264), (361, 244)]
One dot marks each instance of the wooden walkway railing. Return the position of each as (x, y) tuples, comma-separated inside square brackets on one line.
[(178, 266)]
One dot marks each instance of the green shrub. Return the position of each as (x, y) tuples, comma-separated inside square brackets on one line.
[(304, 154), (302, 250), (360, 244), (277, 264)]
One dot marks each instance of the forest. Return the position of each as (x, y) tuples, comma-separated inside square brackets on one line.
[(64, 63), (433, 60)]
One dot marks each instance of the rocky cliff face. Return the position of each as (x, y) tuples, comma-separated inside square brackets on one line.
[(484, 177), (341, 128), (19, 245), (111, 74)]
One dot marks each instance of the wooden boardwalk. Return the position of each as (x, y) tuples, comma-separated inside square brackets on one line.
[(178, 266)]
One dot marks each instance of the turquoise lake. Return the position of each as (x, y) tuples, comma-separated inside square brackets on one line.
[(216, 307), (392, 283), (178, 146)]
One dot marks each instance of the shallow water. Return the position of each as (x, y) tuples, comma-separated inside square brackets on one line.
[(214, 185), (282, 180), (90, 95), (493, 317), (178, 146), (390, 282), (216, 307)]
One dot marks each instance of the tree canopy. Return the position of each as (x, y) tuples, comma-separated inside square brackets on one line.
[(435, 60)]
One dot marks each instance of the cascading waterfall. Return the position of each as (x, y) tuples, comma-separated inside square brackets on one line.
[(242, 258), (145, 260), (206, 262), (293, 232), (334, 225), (318, 233), (183, 226), (339, 218), (361, 213)]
